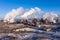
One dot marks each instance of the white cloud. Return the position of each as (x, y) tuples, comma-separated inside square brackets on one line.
[(51, 16), (13, 13), (26, 13), (31, 11)]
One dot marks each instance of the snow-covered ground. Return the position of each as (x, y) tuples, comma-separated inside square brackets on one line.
[(7, 36)]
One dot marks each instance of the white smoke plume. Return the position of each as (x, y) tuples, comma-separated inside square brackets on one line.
[(12, 14), (50, 16), (31, 11)]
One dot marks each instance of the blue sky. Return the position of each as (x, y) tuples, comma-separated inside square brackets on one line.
[(45, 5)]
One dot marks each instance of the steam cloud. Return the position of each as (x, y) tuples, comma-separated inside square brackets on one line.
[(50, 16), (31, 11), (12, 14)]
